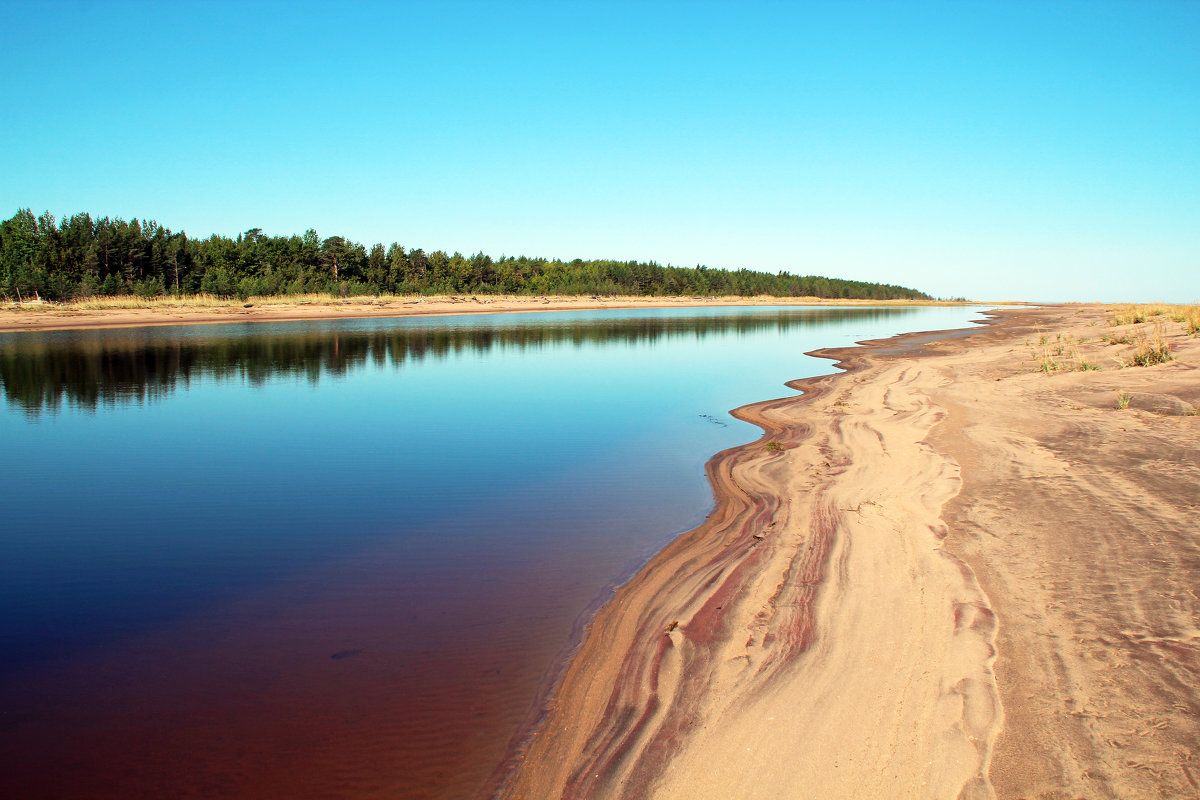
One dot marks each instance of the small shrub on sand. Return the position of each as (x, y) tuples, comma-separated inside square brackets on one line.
[(1151, 350), (773, 446), (1130, 315), (1190, 317), (1046, 352), (1123, 399), (1049, 364), (1124, 338), (1061, 355)]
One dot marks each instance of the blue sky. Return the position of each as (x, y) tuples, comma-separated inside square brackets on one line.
[(1040, 151)]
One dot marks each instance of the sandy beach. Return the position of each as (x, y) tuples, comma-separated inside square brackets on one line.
[(48, 316), (943, 572)]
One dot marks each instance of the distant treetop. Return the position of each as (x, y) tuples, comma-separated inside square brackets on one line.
[(83, 257)]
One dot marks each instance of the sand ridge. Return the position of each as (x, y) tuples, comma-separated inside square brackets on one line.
[(48, 316), (891, 688), (864, 613), (813, 621)]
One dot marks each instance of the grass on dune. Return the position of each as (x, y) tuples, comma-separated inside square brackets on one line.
[(1062, 354), (1147, 333), (216, 301), (118, 302), (1151, 349), (132, 301), (1135, 315), (1188, 315)]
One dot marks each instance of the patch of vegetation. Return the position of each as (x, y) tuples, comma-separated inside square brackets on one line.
[(1123, 399), (1190, 317), (1151, 350), (1045, 354), (1061, 354), (99, 303), (773, 446), (1128, 316), (1133, 315), (1048, 364)]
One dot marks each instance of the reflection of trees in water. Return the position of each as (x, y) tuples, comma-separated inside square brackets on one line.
[(39, 374)]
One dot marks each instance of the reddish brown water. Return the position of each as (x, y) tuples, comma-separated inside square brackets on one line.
[(314, 689)]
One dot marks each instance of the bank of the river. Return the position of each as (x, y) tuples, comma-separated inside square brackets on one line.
[(382, 533), (943, 572), (47, 316)]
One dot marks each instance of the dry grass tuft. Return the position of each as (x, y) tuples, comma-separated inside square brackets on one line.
[(215, 301), (1124, 338), (1189, 316), (1134, 315), (1151, 349), (1061, 354), (132, 301)]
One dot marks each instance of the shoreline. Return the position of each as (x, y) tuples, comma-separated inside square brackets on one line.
[(749, 658), (957, 575), (51, 317), (843, 359), (750, 504)]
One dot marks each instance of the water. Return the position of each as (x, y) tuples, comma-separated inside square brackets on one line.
[(344, 558)]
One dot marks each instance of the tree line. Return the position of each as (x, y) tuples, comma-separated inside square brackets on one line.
[(82, 257)]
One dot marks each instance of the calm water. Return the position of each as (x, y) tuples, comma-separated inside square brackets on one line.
[(344, 558)]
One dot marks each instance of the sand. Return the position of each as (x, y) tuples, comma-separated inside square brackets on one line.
[(954, 576), (48, 316)]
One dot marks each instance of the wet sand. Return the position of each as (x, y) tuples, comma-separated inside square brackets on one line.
[(940, 573)]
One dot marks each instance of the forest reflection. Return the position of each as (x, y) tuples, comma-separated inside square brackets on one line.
[(40, 373)]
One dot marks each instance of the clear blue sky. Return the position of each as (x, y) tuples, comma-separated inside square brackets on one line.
[(1042, 151)]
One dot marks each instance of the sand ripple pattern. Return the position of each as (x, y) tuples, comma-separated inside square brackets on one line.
[(812, 639)]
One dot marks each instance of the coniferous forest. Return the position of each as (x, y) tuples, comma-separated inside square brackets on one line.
[(83, 257)]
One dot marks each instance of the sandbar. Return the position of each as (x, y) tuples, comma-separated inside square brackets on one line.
[(941, 572), (50, 316)]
